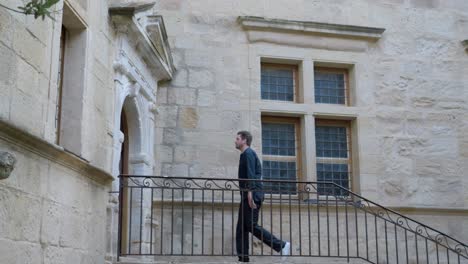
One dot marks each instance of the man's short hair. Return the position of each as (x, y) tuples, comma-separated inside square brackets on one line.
[(245, 135)]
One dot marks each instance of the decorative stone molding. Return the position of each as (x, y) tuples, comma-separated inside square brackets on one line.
[(337, 30), (465, 44), (148, 32), (7, 164), (54, 153), (309, 34)]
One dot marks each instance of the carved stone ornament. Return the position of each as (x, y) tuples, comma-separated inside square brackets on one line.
[(465, 44), (7, 164)]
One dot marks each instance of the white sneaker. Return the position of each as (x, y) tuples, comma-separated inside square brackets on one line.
[(286, 249)]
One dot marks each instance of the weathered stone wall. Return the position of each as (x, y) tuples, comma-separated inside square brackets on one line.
[(410, 94), (49, 212), (29, 56)]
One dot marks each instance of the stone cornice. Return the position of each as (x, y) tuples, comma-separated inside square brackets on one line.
[(465, 44), (149, 34), (291, 26), (130, 8), (54, 153)]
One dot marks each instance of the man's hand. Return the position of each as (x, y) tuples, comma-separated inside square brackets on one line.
[(251, 201)]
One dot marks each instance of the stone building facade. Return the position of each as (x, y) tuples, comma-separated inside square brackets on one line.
[(180, 78)]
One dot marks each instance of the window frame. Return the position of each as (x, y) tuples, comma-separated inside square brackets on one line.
[(343, 71), (296, 121), (282, 66), (349, 161), (61, 68)]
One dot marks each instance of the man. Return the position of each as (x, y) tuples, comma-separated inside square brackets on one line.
[(252, 196)]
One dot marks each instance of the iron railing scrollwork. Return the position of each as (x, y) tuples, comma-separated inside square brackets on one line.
[(183, 216)]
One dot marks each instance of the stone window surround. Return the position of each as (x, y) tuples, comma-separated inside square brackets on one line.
[(465, 44), (310, 44), (74, 79), (308, 111)]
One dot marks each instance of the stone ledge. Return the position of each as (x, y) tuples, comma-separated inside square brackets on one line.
[(465, 44), (12, 134), (129, 8), (336, 30)]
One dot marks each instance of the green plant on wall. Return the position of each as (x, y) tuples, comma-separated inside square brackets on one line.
[(37, 8)]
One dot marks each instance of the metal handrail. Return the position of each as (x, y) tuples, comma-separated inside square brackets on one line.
[(325, 194)]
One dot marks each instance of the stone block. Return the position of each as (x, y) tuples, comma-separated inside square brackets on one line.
[(230, 121), (424, 3), (27, 112), (206, 98), (187, 42), (4, 101), (73, 229), (29, 48), (211, 120), (200, 78), (28, 81), (51, 219), (175, 170), (188, 117), (6, 28), (199, 170), (185, 154), (31, 176), (170, 136), (164, 153), (178, 58), (161, 96), (54, 255), (8, 72), (180, 79), (20, 252), (170, 4), (199, 58), (390, 122), (435, 48), (167, 116), (18, 216), (63, 187), (40, 29), (182, 96)]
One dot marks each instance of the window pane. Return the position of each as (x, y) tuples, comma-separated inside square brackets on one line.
[(329, 87), (278, 139), (331, 142), (277, 84), (277, 170), (336, 173)]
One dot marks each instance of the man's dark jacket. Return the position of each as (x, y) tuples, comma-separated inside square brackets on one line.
[(251, 168)]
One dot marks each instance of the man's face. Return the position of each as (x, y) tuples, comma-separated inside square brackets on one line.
[(240, 142)]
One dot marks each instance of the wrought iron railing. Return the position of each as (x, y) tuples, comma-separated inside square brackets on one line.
[(181, 216)]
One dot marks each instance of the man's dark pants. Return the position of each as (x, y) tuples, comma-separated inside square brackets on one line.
[(247, 221)]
